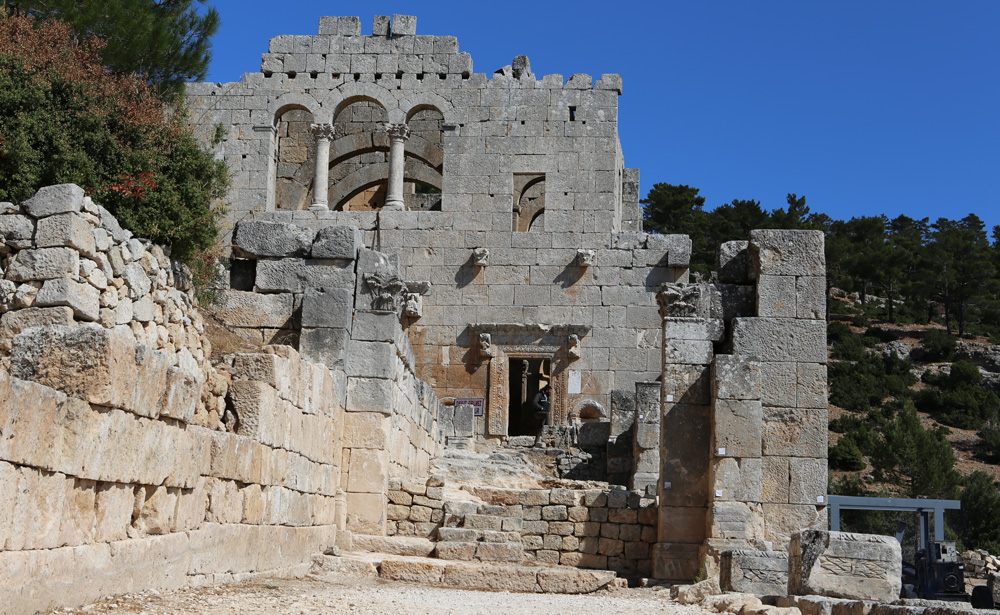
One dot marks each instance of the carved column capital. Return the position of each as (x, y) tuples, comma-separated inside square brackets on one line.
[(397, 132), (322, 131)]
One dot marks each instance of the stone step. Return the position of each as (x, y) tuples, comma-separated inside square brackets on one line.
[(393, 545), (461, 534), (482, 551), (468, 575)]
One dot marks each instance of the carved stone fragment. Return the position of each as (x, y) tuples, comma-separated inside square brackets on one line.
[(386, 289), (844, 565), (679, 300), (481, 257)]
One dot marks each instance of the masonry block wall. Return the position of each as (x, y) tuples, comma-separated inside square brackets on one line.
[(744, 380), (129, 461), (527, 227)]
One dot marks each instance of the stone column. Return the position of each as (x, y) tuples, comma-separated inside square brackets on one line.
[(321, 178), (398, 134)]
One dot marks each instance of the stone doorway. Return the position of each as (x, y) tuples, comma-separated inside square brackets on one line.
[(504, 345), (526, 377)]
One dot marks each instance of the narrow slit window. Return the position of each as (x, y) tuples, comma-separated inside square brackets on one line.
[(572, 114)]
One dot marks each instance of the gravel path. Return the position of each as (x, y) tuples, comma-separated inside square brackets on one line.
[(344, 594)]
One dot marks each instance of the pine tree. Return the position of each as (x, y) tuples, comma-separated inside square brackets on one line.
[(167, 42)]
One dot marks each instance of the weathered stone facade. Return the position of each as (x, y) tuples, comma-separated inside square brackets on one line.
[(744, 378), (535, 246), (417, 250)]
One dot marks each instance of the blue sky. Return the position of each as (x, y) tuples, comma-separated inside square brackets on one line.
[(864, 107)]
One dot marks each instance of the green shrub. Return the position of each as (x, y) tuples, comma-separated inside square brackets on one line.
[(846, 456), (881, 335), (963, 372), (850, 348), (980, 511), (988, 447), (65, 119), (938, 344), (837, 331), (845, 423)]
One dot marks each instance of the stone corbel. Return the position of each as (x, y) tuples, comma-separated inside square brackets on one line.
[(573, 347), (485, 345), (585, 258), (413, 300), (481, 257)]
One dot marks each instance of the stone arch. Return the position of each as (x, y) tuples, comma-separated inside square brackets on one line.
[(293, 155), (367, 177), (348, 93), (419, 101), (293, 100), (589, 410), (529, 203)]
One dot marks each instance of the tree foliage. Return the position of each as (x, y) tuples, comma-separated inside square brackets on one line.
[(64, 118), (166, 42), (980, 511)]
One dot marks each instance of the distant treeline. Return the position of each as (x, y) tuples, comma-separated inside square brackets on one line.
[(944, 271)]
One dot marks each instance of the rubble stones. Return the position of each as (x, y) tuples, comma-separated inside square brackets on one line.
[(51, 200), (43, 264)]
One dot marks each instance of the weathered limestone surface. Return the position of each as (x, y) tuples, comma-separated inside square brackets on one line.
[(843, 565), (129, 462), (764, 573)]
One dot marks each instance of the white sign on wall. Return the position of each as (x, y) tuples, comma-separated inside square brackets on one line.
[(574, 386)]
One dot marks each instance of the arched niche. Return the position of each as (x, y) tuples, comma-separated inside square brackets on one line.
[(529, 202), (294, 157)]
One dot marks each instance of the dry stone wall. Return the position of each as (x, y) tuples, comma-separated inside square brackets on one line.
[(608, 529)]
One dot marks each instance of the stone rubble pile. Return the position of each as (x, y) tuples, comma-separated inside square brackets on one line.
[(979, 564)]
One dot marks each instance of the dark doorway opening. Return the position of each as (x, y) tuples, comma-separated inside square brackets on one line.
[(527, 376)]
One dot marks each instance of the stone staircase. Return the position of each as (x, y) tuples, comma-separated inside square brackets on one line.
[(397, 558)]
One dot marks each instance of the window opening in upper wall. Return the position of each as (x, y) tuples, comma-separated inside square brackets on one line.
[(529, 201), (572, 114)]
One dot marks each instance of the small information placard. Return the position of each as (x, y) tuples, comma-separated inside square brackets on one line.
[(475, 403), (575, 382)]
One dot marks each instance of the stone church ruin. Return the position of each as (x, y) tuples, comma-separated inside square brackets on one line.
[(417, 249)]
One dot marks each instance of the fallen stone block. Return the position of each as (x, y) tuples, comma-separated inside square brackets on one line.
[(573, 581), (414, 571), (756, 572), (497, 578), (844, 565), (697, 592), (345, 564)]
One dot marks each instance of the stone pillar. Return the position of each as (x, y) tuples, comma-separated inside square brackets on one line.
[(688, 336), (646, 437), (398, 134), (321, 178)]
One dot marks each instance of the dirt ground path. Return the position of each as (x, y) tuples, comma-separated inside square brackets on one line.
[(366, 596)]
